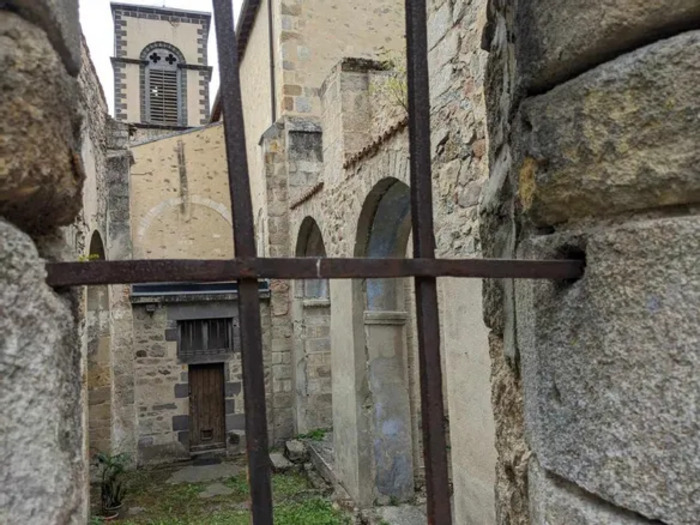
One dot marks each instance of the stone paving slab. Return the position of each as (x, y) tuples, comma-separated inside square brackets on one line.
[(205, 473), (403, 515), (216, 489)]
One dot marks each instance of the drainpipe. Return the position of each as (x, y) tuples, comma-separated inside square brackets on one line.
[(273, 86)]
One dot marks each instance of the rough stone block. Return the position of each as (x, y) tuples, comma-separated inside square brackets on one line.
[(280, 463), (559, 39), (181, 423), (620, 137), (611, 368), (295, 451), (553, 500), (59, 19), (182, 391), (232, 389), (42, 479), (40, 177), (235, 422)]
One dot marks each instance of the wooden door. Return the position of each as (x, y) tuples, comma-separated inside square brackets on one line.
[(208, 427)]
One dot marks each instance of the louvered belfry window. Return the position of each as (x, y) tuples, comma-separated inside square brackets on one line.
[(163, 88)]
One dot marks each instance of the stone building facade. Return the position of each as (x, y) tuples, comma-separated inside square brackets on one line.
[(562, 130)]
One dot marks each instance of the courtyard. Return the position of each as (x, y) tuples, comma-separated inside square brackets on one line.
[(218, 494)]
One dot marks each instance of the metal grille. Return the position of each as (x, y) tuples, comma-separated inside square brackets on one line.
[(247, 268), (164, 102), (204, 337)]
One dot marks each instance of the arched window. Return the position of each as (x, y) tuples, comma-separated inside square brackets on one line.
[(163, 85)]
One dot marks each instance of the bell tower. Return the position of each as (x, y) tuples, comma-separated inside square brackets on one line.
[(160, 62)]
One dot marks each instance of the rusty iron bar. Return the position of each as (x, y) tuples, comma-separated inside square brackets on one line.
[(182, 270), (259, 469), (427, 316)]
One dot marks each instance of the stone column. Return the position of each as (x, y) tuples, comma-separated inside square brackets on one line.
[(592, 111), (119, 247), (44, 472), (279, 379)]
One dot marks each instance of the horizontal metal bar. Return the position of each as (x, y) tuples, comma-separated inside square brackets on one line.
[(180, 270)]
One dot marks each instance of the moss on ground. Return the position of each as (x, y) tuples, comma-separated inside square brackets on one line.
[(295, 502)]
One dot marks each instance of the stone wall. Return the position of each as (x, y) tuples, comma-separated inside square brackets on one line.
[(180, 200), (593, 156), (312, 39), (364, 148), (44, 476), (162, 394), (460, 168)]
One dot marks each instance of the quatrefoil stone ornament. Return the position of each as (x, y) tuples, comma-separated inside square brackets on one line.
[(171, 59), (155, 58)]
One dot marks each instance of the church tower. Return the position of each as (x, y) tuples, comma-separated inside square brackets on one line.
[(161, 70)]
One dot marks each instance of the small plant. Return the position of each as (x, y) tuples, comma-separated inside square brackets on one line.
[(112, 490), (395, 88), (314, 435), (88, 258)]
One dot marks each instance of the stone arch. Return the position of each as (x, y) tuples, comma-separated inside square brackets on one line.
[(99, 362), (312, 351), (384, 228), (381, 322), (310, 244)]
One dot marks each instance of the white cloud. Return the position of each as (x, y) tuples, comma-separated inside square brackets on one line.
[(96, 19)]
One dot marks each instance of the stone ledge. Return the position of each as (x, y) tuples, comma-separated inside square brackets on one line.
[(621, 137), (316, 303), (59, 19), (385, 317), (610, 365), (560, 39)]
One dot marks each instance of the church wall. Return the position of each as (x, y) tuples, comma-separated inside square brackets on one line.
[(180, 198), (141, 32), (315, 34), (257, 109), (130, 102)]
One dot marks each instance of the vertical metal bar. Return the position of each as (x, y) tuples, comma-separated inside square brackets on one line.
[(432, 406), (244, 244)]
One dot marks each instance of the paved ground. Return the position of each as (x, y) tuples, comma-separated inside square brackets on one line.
[(403, 515), (205, 473)]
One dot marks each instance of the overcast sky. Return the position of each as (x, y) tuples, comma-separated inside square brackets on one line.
[(96, 19)]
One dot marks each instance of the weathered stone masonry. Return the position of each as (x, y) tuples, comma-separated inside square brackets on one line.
[(592, 116), (43, 478)]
